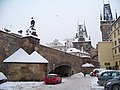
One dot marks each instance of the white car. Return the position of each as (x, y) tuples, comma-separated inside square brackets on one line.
[(3, 78), (96, 71)]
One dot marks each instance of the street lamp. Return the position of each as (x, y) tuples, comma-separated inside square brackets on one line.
[(53, 68)]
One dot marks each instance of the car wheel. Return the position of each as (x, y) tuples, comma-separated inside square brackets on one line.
[(116, 87)]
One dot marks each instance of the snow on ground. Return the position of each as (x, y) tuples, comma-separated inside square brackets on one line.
[(43, 86), (25, 85), (94, 85), (19, 85)]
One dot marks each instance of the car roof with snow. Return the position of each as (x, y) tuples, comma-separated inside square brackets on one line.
[(109, 71)]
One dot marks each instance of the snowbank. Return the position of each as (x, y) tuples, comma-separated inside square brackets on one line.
[(78, 75)]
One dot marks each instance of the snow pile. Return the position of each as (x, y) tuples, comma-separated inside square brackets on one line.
[(94, 85), (88, 65), (78, 75), (72, 50), (20, 85)]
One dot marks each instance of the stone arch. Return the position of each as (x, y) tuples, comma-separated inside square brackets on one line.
[(63, 70)]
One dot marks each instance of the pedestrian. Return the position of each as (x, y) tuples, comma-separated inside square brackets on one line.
[(84, 73)]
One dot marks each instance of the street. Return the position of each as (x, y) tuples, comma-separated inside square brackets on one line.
[(75, 82), (70, 83)]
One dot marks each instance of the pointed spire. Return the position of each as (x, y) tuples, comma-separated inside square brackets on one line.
[(100, 15), (89, 38), (85, 30), (116, 14), (103, 2)]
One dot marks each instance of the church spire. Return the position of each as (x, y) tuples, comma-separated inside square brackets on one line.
[(81, 32), (100, 15)]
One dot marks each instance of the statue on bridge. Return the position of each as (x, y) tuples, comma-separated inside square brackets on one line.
[(32, 29)]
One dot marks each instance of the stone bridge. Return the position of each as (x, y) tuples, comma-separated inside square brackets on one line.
[(59, 62), (63, 63)]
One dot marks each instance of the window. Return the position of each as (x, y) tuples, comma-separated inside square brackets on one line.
[(107, 64), (115, 26), (118, 40), (106, 74), (118, 32), (118, 23), (114, 74), (119, 49), (115, 51), (114, 34), (115, 43)]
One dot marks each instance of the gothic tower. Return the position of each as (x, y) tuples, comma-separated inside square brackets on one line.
[(105, 22), (82, 41)]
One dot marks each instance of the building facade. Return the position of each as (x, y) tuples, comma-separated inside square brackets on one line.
[(105, 58), (115, 38), (109, 48)]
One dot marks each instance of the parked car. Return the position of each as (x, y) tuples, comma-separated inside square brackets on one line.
[(112, 84), (52, 79), (107, 75), (3, 78), (96, 71)]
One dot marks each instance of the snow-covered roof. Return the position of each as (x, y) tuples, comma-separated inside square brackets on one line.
[(77, 39), (24, 35), (87, 56), (2, 76), (56, 43), (20, 56), (88, 65), (35, 57), (72, 50)]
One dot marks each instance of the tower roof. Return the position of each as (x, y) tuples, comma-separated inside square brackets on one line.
[(107, 14), (81, 32)]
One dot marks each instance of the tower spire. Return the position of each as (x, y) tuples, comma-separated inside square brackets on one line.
[(100, 15), (85, 30), (115, 14)]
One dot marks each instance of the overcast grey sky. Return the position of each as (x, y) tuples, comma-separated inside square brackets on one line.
[(55, 19)]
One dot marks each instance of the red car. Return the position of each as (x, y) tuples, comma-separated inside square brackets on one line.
[(52, 79)]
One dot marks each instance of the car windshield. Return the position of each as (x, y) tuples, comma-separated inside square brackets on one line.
[(51, 76)]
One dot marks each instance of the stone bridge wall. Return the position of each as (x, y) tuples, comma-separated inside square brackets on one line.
[(59, 58), (9, 43)]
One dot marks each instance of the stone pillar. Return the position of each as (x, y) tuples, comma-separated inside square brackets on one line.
[(29, 43)]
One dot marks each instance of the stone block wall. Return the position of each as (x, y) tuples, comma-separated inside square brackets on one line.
[(8, 44), (25, 71)]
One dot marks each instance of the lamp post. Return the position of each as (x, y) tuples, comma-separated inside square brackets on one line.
[(53, 68)]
